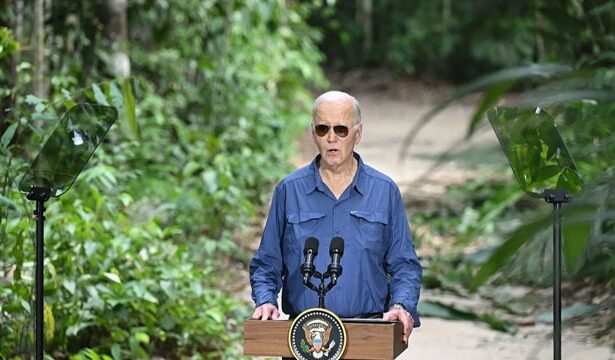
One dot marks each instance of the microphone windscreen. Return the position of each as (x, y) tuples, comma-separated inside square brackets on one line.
[(337, 245), (311, 243)]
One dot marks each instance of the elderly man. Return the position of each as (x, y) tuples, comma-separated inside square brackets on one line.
[(338, 195)]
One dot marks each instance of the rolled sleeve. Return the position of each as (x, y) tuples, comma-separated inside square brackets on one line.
[(266, 267), (402, 263)]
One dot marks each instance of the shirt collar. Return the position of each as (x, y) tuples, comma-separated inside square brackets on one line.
[(358, 182)]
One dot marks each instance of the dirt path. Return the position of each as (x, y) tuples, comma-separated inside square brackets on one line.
[(386, 120)]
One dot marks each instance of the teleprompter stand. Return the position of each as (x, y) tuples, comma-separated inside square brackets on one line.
[(543, 168), (54, 170), (40, 195), (557, 198)]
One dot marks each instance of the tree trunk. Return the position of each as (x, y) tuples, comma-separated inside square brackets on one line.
[(364, 17), (18, 28), (40, 84), (118, 33), (447, 6)]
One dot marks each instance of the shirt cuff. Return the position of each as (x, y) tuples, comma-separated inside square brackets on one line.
[(411, 309), (267, 301)]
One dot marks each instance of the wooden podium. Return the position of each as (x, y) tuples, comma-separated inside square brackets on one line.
[(367, 339)]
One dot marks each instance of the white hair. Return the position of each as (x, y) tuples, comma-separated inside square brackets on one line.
[(335, 96)]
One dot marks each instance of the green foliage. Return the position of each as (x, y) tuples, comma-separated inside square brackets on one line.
[(461, 40), (136, 252), (579, 98), (8, 45)]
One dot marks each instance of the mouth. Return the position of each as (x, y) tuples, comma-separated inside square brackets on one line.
[(333, 151)]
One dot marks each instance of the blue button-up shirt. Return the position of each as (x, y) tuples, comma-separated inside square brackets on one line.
[(380, 266)]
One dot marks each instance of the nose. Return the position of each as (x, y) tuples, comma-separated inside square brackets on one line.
[(331, 137)]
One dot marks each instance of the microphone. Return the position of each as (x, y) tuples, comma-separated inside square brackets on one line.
[(336, 250), (310, 251)]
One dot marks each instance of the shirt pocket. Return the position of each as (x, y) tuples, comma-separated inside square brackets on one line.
[(304, 224), (372, 225)]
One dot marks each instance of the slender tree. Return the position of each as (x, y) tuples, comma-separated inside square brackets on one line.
[(118, 33), (40, 86), (364, 17)]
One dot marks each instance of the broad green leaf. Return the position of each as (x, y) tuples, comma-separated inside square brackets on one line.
[(574, 242), (570, 312), (497, 323), (141, 337), (73, 330), (190, 168), (6, 138), (438, 309), (49, 322), (504, 252), (4, 201), (113, 277), (69, 285), (501, 202), (444, 311), (25, 305), (489, 100), (577, 214), (117, 99), (18, 254), (33, 100), (99, 95), (129, 107), (116, 351)]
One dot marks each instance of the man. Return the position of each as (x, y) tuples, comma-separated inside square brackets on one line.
[(338, 195)]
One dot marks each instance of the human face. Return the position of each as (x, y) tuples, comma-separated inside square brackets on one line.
[(336, 151)]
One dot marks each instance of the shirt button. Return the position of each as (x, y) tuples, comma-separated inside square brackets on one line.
[(337, 231)]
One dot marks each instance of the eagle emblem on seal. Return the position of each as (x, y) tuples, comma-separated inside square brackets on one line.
[(317, 333)]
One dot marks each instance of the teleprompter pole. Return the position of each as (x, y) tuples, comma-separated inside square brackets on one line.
[(40, 195), (557, 197)]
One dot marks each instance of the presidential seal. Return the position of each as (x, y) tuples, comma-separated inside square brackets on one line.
[(317, 334)]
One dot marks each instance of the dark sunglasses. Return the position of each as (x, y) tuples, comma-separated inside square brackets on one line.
[(339, 130)]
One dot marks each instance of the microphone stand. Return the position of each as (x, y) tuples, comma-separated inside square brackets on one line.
[(321, 289)]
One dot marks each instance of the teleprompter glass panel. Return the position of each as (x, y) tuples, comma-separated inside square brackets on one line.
[(68, 148), (535, 150)]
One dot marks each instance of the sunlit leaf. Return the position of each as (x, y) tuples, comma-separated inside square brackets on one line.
[(130, 107), (99, 95), (8, 134), (113, 277), (33, 100), (49, 322)]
